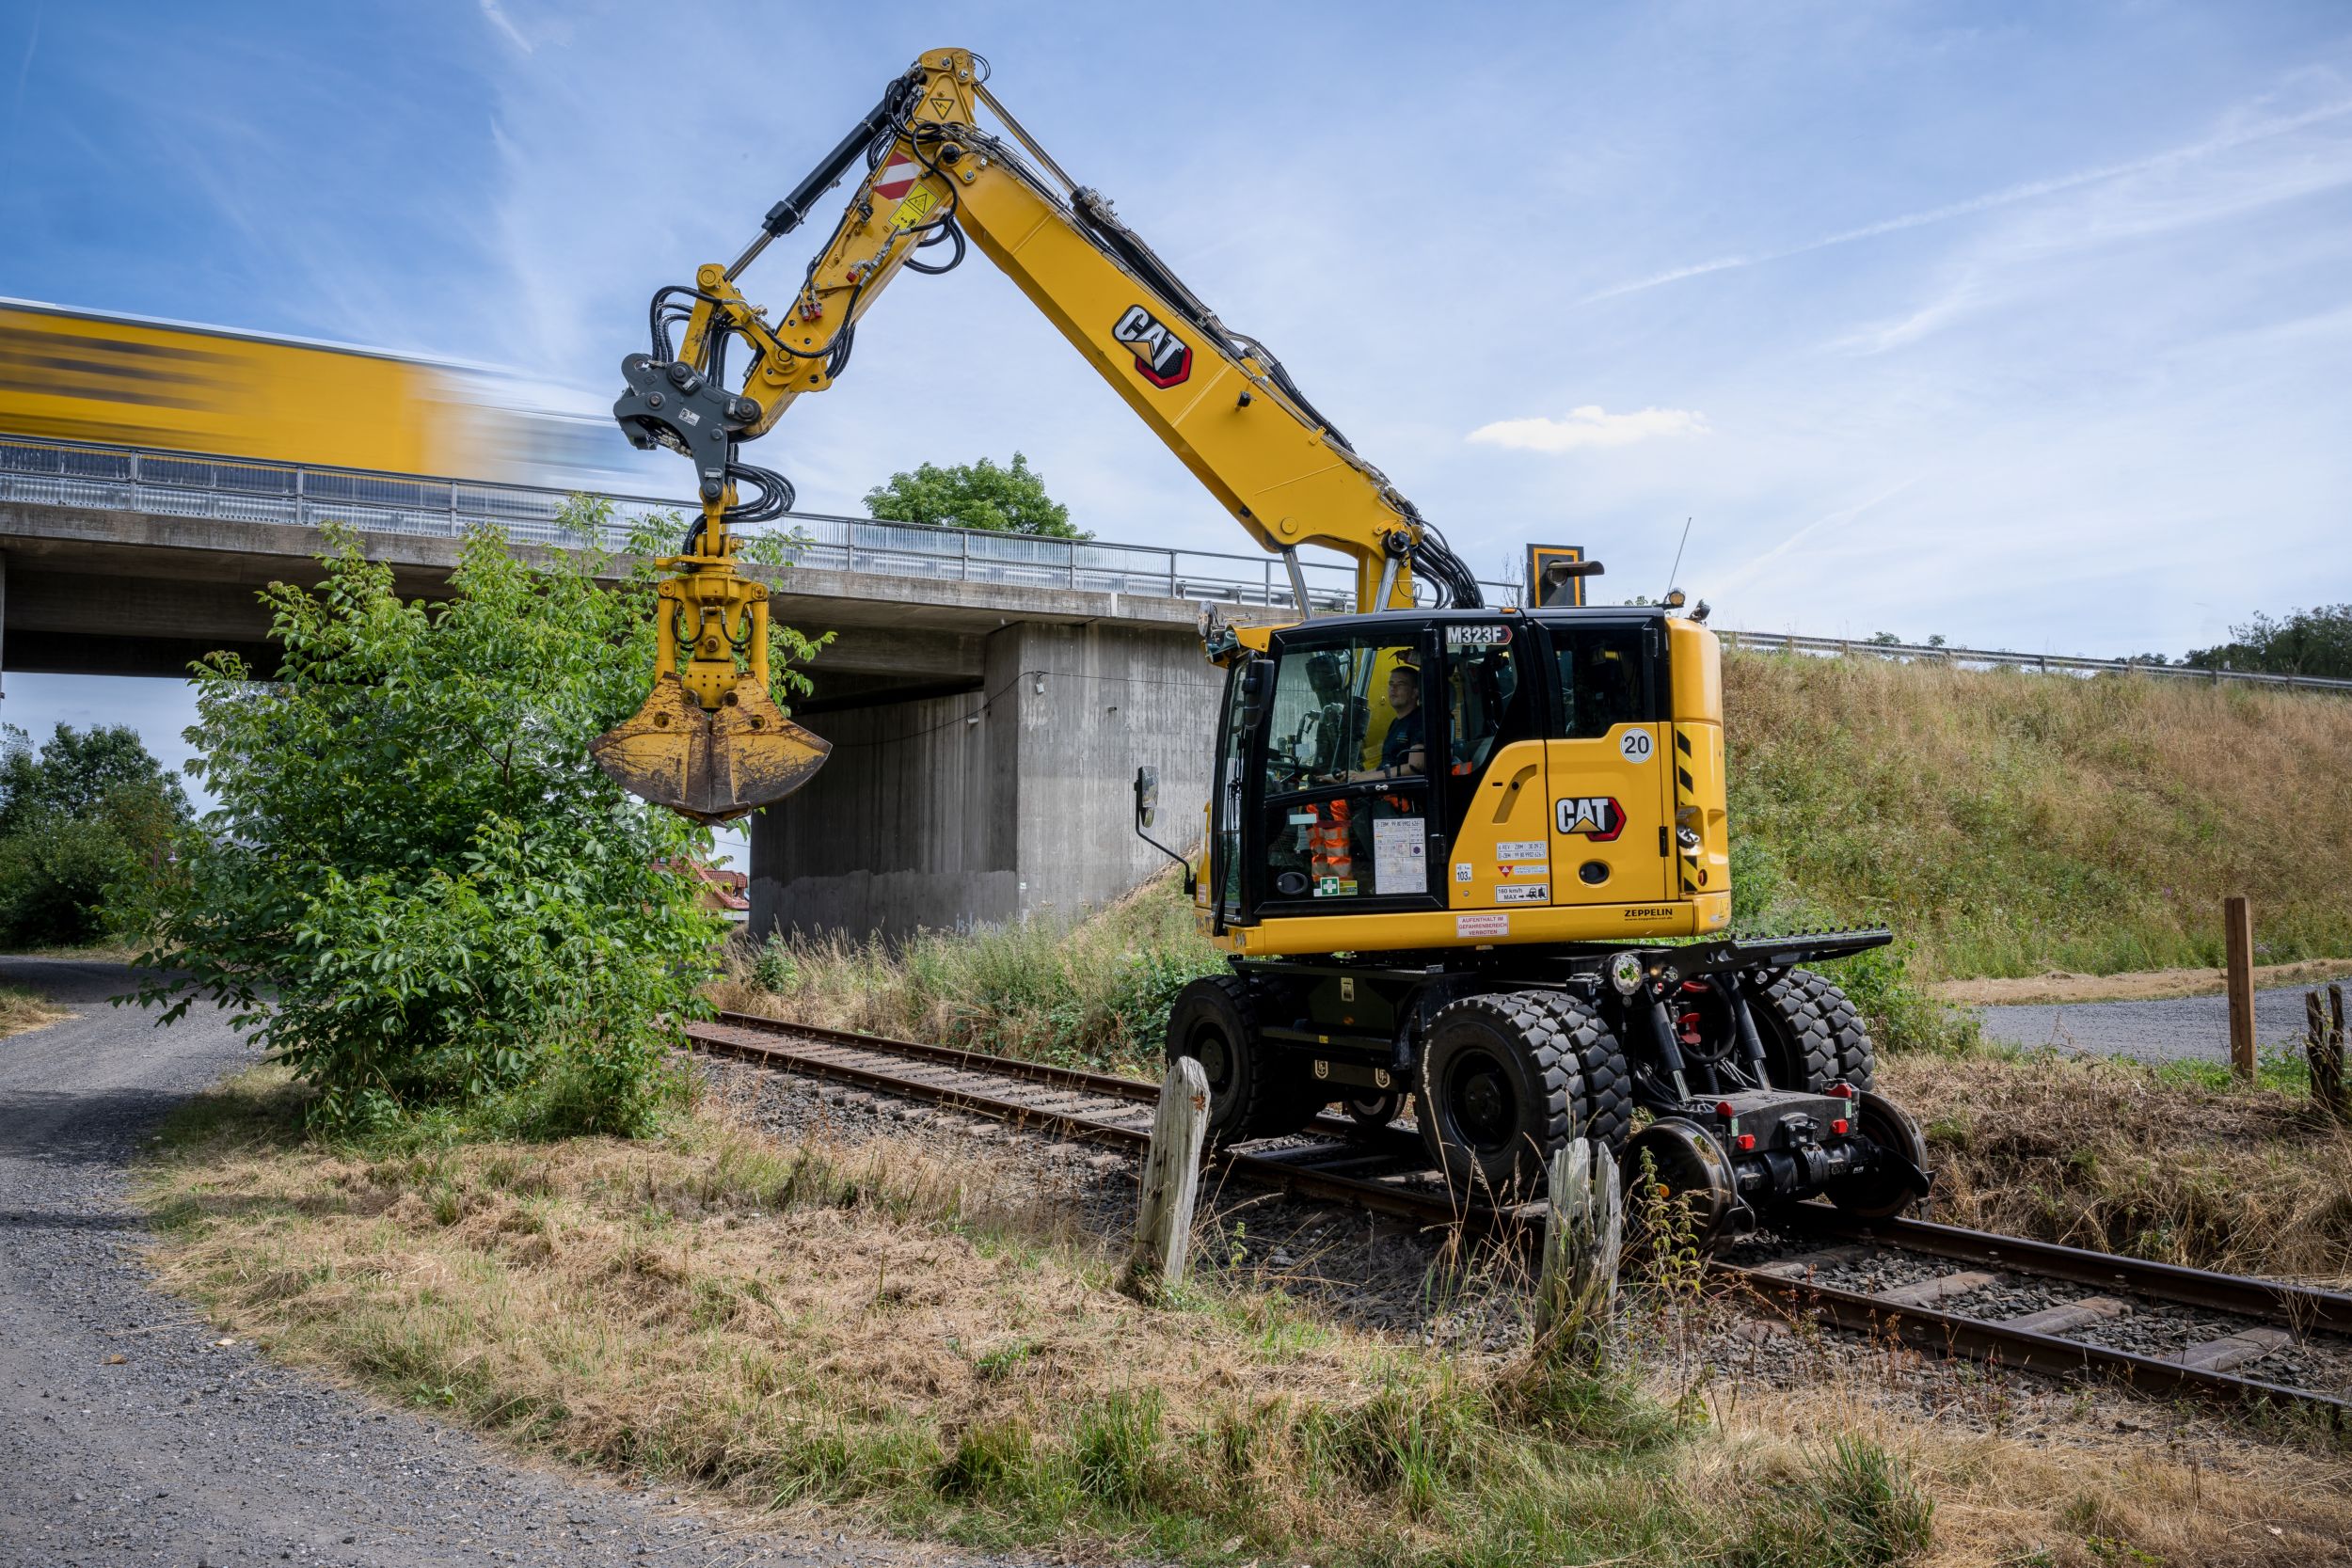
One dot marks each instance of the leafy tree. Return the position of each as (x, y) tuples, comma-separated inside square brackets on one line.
[(418, 888), (80, 819), (73, 773), (2314, 642), (973, 494)]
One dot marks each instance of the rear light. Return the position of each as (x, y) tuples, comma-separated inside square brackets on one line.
[(1747, 1142), (1839, 1127), (1726, 1108), (1841, 1091)]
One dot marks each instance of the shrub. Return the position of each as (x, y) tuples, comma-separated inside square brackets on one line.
[(418, 890)]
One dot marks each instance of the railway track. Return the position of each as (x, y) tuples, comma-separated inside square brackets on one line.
[(1937, 1287)]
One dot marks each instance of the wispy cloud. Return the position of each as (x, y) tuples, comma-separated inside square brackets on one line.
[(2221, 141), (495, 15), (1590, 426)]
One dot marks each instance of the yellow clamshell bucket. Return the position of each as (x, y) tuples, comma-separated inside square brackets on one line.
[(709, 742)]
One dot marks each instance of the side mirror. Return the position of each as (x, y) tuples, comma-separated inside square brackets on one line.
[(1147, 796), (1256, 678)]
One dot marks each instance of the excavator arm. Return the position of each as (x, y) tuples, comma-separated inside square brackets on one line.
[(929, 180)]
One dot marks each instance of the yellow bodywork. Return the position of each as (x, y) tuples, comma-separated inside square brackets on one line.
[(73, 375)]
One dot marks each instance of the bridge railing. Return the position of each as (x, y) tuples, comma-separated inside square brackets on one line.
[(63, 474)]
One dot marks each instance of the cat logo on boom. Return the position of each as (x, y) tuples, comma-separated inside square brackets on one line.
[(1597, 817), (1162, 359)]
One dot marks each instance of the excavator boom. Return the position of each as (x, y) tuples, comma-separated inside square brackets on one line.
[(930, 176)]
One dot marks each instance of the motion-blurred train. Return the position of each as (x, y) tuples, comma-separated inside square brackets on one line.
[(128, 380)]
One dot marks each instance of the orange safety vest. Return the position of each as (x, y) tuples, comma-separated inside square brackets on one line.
[(1327, 848)]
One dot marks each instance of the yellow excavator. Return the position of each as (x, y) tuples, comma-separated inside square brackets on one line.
[(1478, 857)]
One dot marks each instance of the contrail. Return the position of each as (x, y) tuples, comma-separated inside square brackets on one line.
[(2259, 131)]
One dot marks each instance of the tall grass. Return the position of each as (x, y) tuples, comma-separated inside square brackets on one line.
[(2009, 823)]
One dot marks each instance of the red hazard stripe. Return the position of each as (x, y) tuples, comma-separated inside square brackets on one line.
[(897, 178)]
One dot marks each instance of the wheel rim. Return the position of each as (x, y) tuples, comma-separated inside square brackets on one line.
[(1216, 1057), (1483, 1101)]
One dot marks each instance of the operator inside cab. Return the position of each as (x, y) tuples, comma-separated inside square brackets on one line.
[(1404, 751)]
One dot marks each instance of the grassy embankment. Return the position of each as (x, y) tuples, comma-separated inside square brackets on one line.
[(911, 1338), (2010, 823)]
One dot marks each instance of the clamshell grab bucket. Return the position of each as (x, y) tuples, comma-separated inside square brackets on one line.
[(712, 766)]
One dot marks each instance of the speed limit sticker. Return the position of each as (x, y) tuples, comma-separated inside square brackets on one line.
[(1635, 745)]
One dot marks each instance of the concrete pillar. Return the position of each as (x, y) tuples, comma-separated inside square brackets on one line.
[(1001, 804)]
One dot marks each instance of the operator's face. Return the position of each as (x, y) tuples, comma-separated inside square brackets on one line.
[(1403, 691)]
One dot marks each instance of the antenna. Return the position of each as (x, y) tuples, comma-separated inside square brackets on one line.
[(1677, 565)]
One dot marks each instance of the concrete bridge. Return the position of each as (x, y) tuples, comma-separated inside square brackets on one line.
[(989, 696)]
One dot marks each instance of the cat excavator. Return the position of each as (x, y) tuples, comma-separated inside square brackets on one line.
[(1471, 859)]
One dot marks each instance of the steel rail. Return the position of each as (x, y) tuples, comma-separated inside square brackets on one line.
[(2277, 1301), (768, 1042)]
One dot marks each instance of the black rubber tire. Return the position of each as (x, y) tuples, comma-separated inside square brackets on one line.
[(1252, 1092), (1373, 1109), (1812, 1035), (1509, 1077)]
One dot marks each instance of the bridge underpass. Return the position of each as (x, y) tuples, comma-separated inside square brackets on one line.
[(989, 696)]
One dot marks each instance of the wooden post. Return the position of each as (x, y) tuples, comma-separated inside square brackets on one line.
[(2237, 929), (2323, 1048), (1576, 1297), (1171, 1181)]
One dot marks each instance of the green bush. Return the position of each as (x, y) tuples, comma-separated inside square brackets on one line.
[(418, 889), (54, 881)]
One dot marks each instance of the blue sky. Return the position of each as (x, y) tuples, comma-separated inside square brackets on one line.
[(2024, 325)]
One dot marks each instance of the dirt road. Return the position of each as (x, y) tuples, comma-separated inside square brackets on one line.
[(127, 1435), (2177, 1028)]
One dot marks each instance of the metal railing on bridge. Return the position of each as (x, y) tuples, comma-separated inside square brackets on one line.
[(173, 485)]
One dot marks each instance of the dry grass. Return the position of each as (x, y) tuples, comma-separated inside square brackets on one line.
[(2116, 1156), (910, 1338), (2014, 822), (21, 1011)]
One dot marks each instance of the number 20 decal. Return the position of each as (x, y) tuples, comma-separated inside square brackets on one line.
[(1635, 745)]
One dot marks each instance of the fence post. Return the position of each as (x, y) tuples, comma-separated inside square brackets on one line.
[(1171, 1181), (2237, 930), (1576, 1296), (2323, 1048)]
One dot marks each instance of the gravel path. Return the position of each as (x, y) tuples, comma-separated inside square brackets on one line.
[(129, 1436), (2183, 1028)]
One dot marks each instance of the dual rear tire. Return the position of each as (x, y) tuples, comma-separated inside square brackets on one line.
[(1506, 1078)]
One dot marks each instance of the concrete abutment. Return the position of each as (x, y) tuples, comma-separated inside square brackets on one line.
[(1003, 803)]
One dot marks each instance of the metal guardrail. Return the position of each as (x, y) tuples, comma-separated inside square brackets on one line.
[(63, 474), (1756, 641), (68, 473)]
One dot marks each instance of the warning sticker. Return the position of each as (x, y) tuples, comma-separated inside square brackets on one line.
[(1520, 849), (1524, 868), (1523, 893), (1482, 925), (1399, 855), (897, 178), (913, 210)]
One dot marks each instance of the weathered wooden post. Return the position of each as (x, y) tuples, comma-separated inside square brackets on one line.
[(2237, 930), (1171, 1181), (1576, 1295), (2323, 1048)]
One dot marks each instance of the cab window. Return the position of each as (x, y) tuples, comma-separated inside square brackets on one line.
[(1605, 678), (1350, 746)]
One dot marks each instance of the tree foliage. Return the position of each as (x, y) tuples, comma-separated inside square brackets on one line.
[(973, 494), (81, 819), (418, 888), (2314, 642)]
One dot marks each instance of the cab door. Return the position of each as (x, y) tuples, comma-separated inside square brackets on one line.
[(1606, 762)]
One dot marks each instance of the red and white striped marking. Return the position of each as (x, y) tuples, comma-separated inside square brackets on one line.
[(897, 178)]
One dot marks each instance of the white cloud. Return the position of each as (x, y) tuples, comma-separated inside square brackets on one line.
[(1589, 426), (495, 15)]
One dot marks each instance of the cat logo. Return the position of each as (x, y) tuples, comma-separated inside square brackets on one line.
[(1162, 359), (1597, 817)]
